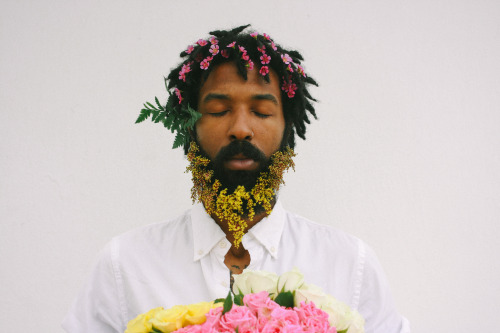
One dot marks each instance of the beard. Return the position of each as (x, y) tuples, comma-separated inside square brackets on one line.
[(237, 195)]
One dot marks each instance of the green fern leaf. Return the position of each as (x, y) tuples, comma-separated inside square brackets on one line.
[(145, 113)]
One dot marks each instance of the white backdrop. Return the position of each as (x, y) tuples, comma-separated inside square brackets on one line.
[(406, 154)]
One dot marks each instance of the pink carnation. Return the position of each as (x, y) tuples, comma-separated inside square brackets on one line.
[(260, 304), (190, 49), (313, 318), (202, 42), (265, 59), (264, 70)]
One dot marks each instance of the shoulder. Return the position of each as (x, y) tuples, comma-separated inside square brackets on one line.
[(321, 234)]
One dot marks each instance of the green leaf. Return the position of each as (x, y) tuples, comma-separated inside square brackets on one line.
[(155, 330), (145, 113), (228, 303), (158, 103), (219, 300), (155, 114), (285, 299), (343, 331), (238, 299), (151, 105), (179, 140)]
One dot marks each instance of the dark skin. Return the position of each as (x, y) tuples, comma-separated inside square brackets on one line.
[(236, 109)]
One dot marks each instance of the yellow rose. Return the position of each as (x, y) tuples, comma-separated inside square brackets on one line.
[(141, 323), (171, 319), (196, 312)]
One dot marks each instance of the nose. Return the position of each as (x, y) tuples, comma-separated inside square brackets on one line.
[(240, 127)]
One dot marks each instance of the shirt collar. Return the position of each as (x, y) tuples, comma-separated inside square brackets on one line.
[(206, 233)]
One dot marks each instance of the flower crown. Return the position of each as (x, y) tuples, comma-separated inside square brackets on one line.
[(246, 50)]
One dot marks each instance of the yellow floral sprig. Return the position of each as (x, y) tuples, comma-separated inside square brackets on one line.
[(229, 207)]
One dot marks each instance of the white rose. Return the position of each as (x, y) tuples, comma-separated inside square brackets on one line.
[(250, 282), (310, 293), (342, 316), (290, 281), (357, 324)]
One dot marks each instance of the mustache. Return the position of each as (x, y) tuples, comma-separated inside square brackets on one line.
[(239, 147)]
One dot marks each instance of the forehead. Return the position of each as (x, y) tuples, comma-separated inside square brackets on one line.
[(225, 79)]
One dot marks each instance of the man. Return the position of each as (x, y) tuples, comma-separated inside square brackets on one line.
[(251, 99)]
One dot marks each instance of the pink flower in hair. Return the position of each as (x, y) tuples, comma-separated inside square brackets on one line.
[(301, 70), (254, 35), (224, 53), (198, 58), (182, 76), (250, 65), (202, 42), (213, 40), (205, 63), (245, 56), (231, 45), (214, 49), (290, 69), (186, 68), (274, 46), (265, 59), (286, 58), (178, 93), (264, 70), (190, 49), (266, 36), (262, 49), (242, 49)]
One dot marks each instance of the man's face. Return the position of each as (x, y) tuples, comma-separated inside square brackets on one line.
[(235, 111)]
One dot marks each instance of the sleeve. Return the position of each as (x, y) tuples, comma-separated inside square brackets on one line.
[(376, 304), (97, 307)]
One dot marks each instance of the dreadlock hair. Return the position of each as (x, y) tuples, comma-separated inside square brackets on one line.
[(244, 50)]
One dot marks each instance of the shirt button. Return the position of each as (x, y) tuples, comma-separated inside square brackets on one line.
[(224, 284), (200, 252), (222, 244), (273, 249)]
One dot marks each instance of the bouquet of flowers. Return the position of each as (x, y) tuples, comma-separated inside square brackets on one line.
[(259, 302)]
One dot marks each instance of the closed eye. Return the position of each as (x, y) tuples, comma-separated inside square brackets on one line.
[(261, 115), (218, 114)]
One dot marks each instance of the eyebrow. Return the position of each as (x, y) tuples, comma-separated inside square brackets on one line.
[(259, 97)]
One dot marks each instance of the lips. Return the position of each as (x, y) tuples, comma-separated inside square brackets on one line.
[(241, 162)]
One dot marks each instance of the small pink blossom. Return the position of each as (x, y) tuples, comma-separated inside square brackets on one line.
[(178, 94), (254, 35), (264, 70), (182, 76), (198, 58), (186, 68), (242, 49), (245, 56), (250, 64), (286, 58), (214, 49), (301, 70), (202, 42), (261, 49), (190, 49), (205, 63), (225, 53), (290, 69), (213, 40), (266, 36), (265, 59), (231, 45), (274, 46)]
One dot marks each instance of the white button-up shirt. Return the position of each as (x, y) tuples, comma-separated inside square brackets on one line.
[(182, 262)]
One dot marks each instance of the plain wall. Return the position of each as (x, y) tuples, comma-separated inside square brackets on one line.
[(405, 154)]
